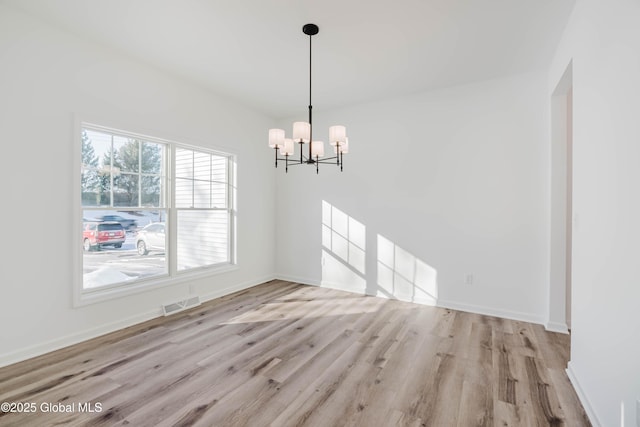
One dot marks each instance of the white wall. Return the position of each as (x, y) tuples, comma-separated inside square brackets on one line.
[(46, 76), (453, 181), (603, 40)]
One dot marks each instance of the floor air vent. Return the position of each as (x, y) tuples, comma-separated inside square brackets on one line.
[(178, 306)]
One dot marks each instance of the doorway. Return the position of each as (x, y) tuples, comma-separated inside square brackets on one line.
[(561, 224)]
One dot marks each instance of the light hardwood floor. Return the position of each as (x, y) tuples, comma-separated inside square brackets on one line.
[(283, 354)]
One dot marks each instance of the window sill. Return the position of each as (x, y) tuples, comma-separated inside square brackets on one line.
[(87, 297)]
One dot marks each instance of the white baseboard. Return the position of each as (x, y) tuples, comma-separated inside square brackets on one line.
[(297, 279), (582, 396), (557, 327), (235, 288), (321, 284), (489, 311), (71, 339)]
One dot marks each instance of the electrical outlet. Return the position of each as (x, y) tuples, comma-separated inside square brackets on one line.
[(468, 279)]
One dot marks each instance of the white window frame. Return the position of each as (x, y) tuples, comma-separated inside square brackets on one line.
[(173, 277)]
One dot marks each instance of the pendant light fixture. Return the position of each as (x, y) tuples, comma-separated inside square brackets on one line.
[(303, 134)]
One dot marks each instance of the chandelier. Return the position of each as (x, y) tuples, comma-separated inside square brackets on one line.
[(303, 131)]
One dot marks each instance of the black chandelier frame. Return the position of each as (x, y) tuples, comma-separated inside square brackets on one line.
[(310, 30)]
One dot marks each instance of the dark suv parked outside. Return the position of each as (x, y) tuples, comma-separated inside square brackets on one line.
[(98, 234), (127, 224)]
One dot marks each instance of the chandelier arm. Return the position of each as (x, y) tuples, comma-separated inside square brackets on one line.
[(327, 160), (295, 163), (317, 160)]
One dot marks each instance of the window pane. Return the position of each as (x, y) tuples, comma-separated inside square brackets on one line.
[(95, 178), (219, 168), (90, 187), (219, 195), (95, 146), (201, 194), (152, 190), (201, 180), (184, 193), (202, 238), (125, 190), (126, 154), (184, 163), (102, 194), (110, 242), (152, 158), (201, 166)]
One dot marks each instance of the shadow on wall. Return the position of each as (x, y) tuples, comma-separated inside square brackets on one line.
[(398, 273)]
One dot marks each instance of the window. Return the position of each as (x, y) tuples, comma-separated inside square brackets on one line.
[(139, 227), (202, 204)]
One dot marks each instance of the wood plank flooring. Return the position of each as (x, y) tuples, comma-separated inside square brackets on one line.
[(283, 354)]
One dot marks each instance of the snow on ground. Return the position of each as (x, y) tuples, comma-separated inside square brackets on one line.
[(103, 276)]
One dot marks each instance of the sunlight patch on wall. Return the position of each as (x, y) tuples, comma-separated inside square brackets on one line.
[(344, 236), (336, 274), (343, 254), (403, 276)]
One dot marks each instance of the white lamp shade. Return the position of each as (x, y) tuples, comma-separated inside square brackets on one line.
[(317, 149), (287, 147), (301, 132), (344, 147), (337, 134), (276, 138)]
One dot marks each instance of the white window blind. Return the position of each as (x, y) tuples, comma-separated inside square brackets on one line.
[(202, 196)]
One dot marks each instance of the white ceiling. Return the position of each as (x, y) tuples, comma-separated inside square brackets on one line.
[(255, 51)]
